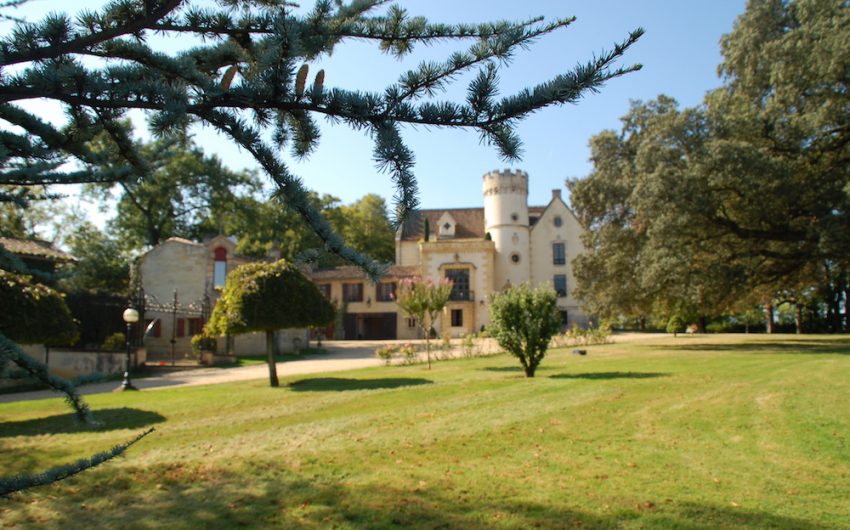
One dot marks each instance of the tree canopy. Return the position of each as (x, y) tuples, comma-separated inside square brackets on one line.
[(177, 190), (267, 297), (703, 210)]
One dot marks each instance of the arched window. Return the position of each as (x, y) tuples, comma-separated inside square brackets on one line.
[(219, 267)]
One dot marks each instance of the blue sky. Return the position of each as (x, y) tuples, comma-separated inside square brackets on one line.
[(679, 53)]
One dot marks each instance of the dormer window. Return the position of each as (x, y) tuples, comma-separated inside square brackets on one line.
[(447, 226)]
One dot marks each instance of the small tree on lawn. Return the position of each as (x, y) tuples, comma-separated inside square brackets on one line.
[(675, 325), (268, 297), (423, 300), (523, 320)]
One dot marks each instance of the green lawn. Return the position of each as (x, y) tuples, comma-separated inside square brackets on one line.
[(687, 433)]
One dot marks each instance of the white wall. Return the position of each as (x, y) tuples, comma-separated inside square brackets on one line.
[(543, 235)]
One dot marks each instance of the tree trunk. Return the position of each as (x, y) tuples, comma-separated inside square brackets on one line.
[(845, 317), (768, 317), (642, 323), (427, 331), (529, 370), (270, 359), (798, 318), (702, 323)]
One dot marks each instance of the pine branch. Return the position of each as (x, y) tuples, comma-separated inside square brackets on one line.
[(79, 43), (266, 44), (10, 352), (290, 189), (21, 482), (393, 156)]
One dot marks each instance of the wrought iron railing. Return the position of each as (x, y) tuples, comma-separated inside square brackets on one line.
[(462, 295)]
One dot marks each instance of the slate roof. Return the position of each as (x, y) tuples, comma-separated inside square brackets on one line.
[(350, 272), (470, 222), (35, 248)]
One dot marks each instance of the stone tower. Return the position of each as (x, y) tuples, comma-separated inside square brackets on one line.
[(506, 220)]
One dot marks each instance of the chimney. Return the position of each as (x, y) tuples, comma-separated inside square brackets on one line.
[(556, 194)]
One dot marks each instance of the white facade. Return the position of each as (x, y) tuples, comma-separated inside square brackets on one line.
[(557, 225), (482, 250)]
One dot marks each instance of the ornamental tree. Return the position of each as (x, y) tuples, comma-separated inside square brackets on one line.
[(523, 321), (268, 297), (423, 300)]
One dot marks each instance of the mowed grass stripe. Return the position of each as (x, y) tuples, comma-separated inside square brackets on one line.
[(693, 432)]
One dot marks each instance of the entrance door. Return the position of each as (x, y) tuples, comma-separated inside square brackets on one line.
[(370, 326), (379, 326)]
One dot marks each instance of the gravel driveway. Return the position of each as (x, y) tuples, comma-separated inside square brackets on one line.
[(340, 355)]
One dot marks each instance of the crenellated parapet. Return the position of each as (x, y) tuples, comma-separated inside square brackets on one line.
[(498, 182)]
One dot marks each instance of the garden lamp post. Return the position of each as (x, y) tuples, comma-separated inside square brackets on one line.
[(131, 316)]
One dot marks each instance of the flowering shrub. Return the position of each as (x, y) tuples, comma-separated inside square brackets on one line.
[(577, 336), (387, 353), (408, 353)]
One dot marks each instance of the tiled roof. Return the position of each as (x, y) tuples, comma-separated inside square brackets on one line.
[(534, 214), (356, 273), (470, 222), (34, 248), (181, 240)]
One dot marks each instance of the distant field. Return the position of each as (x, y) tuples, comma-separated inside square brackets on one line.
[(727, 431)]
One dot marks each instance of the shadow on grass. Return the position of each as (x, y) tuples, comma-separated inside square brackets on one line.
[(268, 494), (109, 420), (517, 369), (503, 369), (339, 384), (611, 375), (805, 347)]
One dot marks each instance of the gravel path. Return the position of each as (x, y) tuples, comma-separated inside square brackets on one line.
[(340, 355)]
